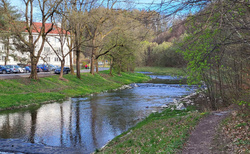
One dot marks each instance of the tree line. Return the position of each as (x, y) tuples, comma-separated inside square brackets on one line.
[(96, 28), (213, 43)]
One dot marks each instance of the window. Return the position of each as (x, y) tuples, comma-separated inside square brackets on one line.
[(58, 49), (46, 49), (47, 59), (57, 40), (2, 48), (34, 38), (56, 59), (48, 39)]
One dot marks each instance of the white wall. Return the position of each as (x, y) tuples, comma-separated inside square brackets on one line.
[(47, 54)]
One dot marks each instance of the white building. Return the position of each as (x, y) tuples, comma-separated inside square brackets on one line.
[(47, 56)]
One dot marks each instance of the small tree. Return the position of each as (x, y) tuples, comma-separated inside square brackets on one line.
[(5, 33)]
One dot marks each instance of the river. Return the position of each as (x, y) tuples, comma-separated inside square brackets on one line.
[(88, 123)]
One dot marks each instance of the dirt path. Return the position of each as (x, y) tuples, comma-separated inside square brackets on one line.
[(200, 140)]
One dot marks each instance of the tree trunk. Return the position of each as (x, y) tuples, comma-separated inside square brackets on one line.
[(33, 73), (62, 66), (120, 67), (78, 63), (7, 52), (111, 67), (96, 65), (93, 57), (92, 64), (71, 63)]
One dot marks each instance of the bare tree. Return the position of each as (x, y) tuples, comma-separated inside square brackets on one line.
[(76, 12), (23, 32), (63, 39)]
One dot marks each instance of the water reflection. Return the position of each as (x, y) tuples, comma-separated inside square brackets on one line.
[(88, 123)]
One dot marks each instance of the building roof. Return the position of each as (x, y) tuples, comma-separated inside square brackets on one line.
[(55, 30)]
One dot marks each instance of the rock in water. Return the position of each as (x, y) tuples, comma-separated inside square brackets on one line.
[(164, 106)]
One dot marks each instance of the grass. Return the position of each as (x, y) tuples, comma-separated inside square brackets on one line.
[(164, 132), (163, 70), (20, 92)]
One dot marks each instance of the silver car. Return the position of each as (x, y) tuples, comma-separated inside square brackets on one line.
[(20, 69), (13, 68)]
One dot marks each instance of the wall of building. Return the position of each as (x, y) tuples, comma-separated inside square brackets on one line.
[(47, 56)]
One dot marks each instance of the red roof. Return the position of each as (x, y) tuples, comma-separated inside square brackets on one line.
[(55, 30)]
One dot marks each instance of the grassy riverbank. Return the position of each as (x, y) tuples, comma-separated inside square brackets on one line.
[(164, 132), (163, 70), (23, 91)]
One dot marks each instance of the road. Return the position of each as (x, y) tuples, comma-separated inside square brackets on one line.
[(40, 74)]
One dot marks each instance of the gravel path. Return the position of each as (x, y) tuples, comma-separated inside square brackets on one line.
[(200, 140)]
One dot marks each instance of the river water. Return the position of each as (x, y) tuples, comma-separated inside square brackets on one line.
[(88, 123)]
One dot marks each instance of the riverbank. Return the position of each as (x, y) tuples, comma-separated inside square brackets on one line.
[(18, 93), (172, 71), (186, 131), (164, 132)]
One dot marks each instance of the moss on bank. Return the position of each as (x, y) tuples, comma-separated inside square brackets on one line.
[(23, 91)]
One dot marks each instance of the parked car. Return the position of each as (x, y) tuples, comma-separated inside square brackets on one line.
[(28, 69), (22, 66), (13, 68), (43, 67), (52, 67), (4, 70), (19, 68), (66, 70)]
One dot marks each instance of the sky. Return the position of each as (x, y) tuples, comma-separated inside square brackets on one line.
[(139, 4)]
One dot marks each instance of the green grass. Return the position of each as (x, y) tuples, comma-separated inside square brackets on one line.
[(19, 92), (163, 70), (164, 132)]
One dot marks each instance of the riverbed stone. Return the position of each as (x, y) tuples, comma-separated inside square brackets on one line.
[(180, 107), (164, 106)]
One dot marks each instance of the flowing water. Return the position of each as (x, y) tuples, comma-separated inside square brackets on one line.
[(88, 123)]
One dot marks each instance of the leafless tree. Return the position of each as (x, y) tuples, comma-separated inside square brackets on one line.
[(23, 32)]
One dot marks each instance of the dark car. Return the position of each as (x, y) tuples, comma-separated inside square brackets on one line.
[(43, 67), (66, 70), (52, 67), (28, 69), (4, 70)]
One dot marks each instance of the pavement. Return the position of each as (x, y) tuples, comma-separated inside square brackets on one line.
[(40, 74)]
